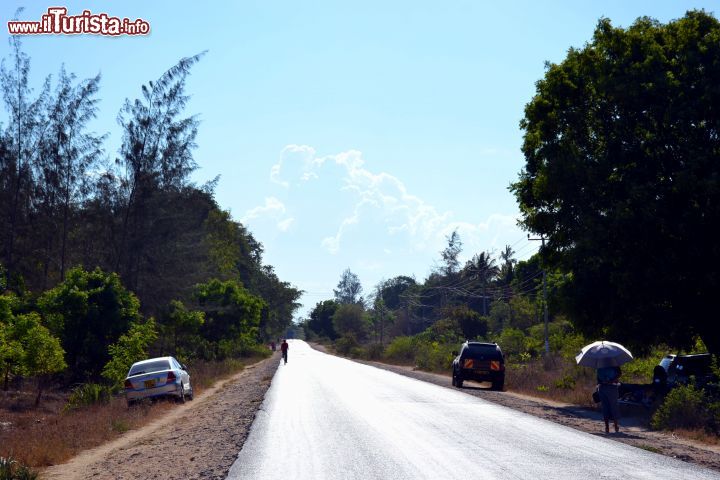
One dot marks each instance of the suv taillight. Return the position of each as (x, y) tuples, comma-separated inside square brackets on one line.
[(171, 377), (128, 385), (496, 365)]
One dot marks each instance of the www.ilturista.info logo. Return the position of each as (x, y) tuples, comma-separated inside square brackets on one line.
[(57, 22)]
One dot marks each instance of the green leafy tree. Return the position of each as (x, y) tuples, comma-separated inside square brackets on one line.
[(349, 289), (11, 349), (131, 347), (518, 312), (281, 301), (350, 319), (444, 331), (321, 319), (512, 341), (380, 316), (471, 323), (621, 178), (88, 312), (181, 328), (43, 354), (392, 290), (232, 316)]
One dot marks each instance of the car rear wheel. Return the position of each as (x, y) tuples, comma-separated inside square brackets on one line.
[(181, 398), (458, 382), (191, 395)]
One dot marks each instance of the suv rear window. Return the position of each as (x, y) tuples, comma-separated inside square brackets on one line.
[(156, 366), (488, 352), (692, 365)]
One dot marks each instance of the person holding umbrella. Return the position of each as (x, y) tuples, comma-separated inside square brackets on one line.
[(608, 388), (606, 357)]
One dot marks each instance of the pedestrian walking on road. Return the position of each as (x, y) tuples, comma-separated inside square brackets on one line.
[(284, 348), (608, 387)]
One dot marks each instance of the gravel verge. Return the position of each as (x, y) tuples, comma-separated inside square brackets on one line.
[(198, 440)]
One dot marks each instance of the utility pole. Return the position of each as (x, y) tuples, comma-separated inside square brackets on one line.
[(545, 313), (382, 321)]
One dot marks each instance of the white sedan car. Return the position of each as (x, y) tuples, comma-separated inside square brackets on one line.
[(162, 376)]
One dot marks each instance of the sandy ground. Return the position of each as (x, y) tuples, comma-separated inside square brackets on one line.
[(632, 430), (198, 440)]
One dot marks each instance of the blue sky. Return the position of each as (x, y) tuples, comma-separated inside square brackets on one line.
[(347, 134)]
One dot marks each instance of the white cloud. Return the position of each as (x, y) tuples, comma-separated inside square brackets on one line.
[(296, 163), (272, 206), (273, 209), (332, 244), (284, 225), (384, 197)]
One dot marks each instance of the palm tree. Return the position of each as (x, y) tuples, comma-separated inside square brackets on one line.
[(506, 270), (483, 268)]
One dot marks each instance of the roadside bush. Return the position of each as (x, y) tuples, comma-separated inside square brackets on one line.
[(344, 345), (566, 382), (131, 347), (401, 349), (88, 394), (714, 412), (375, 351), (434, 356), (10, 469), (640, 370), (512, 341), (357, 352), (683, 408)]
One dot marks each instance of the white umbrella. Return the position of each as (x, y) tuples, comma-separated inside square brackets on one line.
[(603, 354)]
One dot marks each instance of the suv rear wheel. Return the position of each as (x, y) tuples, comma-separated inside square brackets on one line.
[(498, 385)]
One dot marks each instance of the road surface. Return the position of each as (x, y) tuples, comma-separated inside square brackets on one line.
[(329, 418)]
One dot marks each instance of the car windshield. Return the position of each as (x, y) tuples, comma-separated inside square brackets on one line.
[(149, 367), (484, 351)]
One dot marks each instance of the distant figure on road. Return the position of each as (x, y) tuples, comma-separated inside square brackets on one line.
[(272, 346), (608, 387), (284, 348)]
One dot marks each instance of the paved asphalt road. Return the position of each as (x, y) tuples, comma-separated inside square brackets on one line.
[(329, 418)]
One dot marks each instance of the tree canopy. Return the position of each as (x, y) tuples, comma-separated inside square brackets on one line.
[(621, 177), (349, 289), (94, 247)]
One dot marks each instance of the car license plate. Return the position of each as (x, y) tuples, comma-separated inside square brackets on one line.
[(149, 383), (481, 372)]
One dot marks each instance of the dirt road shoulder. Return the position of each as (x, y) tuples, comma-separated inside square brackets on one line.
[(198, 440)]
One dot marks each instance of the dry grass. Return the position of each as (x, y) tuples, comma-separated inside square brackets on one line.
[(698, 434), (48, 435), (554, 378)]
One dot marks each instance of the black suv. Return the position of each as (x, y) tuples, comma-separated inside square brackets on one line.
[(479, 361), (676, 370)]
